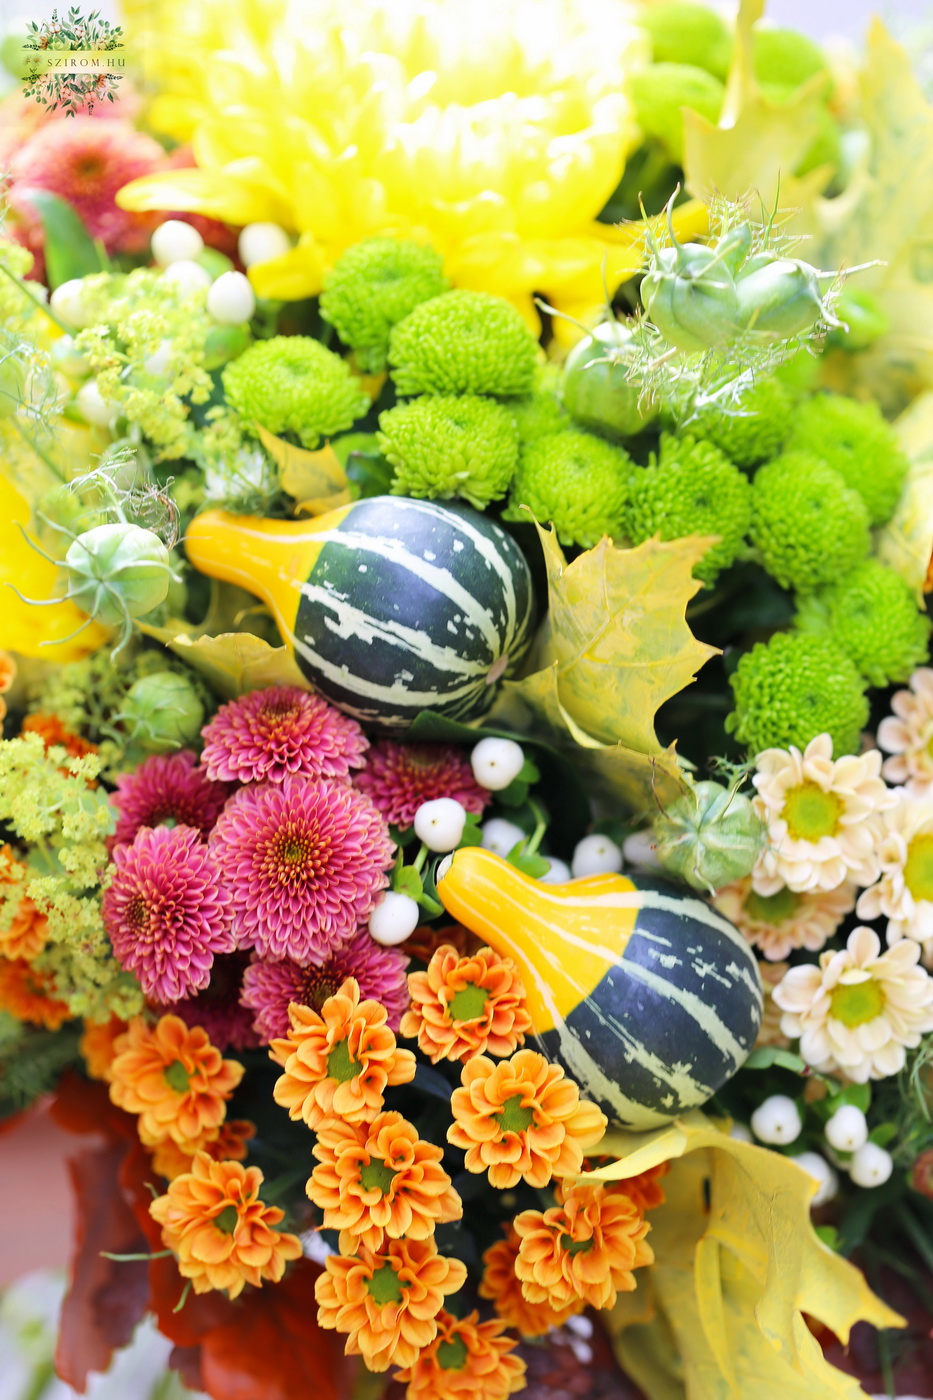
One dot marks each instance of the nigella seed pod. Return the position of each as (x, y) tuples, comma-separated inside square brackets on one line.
[(690, 295), (117, 571), (734, 247), (709, 836), (596, 388), (780, 299), (162, 712)]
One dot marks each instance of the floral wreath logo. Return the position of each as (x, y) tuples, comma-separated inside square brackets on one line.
[(71, 64)]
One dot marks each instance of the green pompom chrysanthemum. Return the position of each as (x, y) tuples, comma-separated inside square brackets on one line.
[(854, 439), (685, 32), (293, 384), (450, 445), (808, 526), (692, 489), (373, 286), (575, 481), (755, 429), (463, 343), (794, 687), (659, 95), (872, 615), (540, 415)]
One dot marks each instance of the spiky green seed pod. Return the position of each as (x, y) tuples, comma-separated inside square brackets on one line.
[(116, 572), (596, 389), (780, 299), (690, 296), (162, 712), (709, 836)]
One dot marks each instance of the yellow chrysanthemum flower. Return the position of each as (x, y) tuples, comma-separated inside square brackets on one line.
[(496, 131)]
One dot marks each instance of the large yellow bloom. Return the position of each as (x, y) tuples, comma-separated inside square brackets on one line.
[(495, 130)]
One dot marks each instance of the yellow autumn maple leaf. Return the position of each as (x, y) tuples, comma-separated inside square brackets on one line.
[(719, 1315), (906, 542), (316, 479)]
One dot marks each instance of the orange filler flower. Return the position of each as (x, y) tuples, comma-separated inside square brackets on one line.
[(230, 1145), (337, 1063), (23, 930), (501, 1284), (174, 1078), (379, 1179), (468, 1360), (387, 1303), (522, 1119), (26, 994), (56, 734), (586, 1247), (220, 1231), (466, 1006)]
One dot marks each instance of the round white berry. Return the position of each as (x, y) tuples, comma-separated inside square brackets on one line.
[(67, 358), (231, 300), (260, 242), (175, 241), (439, 824), (158, 362), (394, 919), (641, 849), (847, 1130), (871, 1165), (93, 407), (740, 1132), (188, 276), (777, 1120), (596, 855), (557, 873), (499, 836), (827, 1181), (68, 302), (496, 763)]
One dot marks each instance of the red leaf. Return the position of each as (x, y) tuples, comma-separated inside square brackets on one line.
[(83, 1106)]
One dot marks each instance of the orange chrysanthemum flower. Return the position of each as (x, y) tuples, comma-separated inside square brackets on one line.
[(339, 1062), (522, 1118), (464, 1006), (221, 1232), (502, 1285), (468, 1360), (98, 1046), (644, 1190), (8, 670), (387, 1303), (26, 931), (55, 734), (379, 1179), (584, 1248), (174, 1078), (27, 994), (230, 1145)]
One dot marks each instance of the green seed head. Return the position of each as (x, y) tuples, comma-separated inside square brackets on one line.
[(709, 836), (162, 712), (117, 571)]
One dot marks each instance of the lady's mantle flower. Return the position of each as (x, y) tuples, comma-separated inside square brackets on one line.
[(167, 789), (268, 734), (821, 817), (860, 1009), (379, 1179), (221, 1232), (387, 1303), (908, 736), (174, 1078), (304, 860), (522, 1119), (338, 1063), (904, 894), (463, 1007), (503, 1287), (398, 778), (780, 922), (166, 912), (468, 1360)]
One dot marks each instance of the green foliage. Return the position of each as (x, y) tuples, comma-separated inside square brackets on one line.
[(794, 687), (450, 445), (807, 524), (854, 439), (754, 429), (575, 481), (374, 285), (31, 1061), (463, 343), (873, 616), (293, 384)]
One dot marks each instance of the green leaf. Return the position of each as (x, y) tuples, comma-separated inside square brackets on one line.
[(515, 794), (767, 1055), (883, 1134), (857, 1094), (406, 880), (370, 473), (472, 836), (69, 249), (533, 864)]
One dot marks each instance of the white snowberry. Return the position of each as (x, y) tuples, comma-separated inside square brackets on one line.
[(777, 1120), (94, 408), (158, 362), (260, 242), (394, 919), (231, 300), (641, 849), (188, 276), (596, 855), (499, 836), (741, 1132), (67, 358), (557, 873), (439, 824), (871, 1165), (827, 1181), (68, 302), (847, 1130), (496, 763), (175, 241)]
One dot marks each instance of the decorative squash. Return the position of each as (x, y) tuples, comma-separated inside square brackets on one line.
[(393, 606), (648, 998)]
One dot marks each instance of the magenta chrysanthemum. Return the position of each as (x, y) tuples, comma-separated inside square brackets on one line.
[(399, 777), (269, 987), (266, 735), (218, 1009), (305, 860), (166, 911), (167, 789)]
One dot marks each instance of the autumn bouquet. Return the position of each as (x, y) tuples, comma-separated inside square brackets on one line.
[(467, 771)]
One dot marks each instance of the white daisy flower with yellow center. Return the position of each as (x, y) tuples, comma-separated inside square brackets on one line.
[(908, 736), (860, 1009), (904, 893), (821, 816), (788, 919)]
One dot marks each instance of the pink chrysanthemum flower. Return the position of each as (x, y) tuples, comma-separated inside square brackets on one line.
[(167, 789), (304, 860), (218, 1008), (266, 735), (399, 777), (269, 987), (166, 911)]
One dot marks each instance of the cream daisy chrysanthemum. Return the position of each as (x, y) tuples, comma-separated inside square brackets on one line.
[(821, 817), (904, 893), (780, 922), (908, 736), (860, 1008)]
